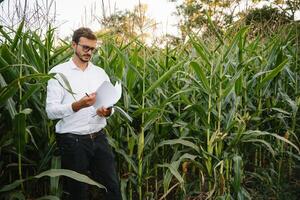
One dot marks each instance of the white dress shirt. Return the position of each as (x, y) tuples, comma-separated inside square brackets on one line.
[(59, 100)]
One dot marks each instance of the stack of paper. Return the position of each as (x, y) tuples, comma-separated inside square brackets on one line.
[(107, 95)]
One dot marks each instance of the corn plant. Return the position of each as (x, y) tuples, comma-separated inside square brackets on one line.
[(213, 118), (204, 104)]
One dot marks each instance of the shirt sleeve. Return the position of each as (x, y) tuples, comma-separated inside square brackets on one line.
[(54, 107)]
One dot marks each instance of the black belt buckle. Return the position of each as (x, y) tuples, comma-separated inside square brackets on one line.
[(93, 135)]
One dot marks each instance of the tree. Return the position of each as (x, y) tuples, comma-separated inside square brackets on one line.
[(266, 20), (194, 13), (289, 7), (128, 25)]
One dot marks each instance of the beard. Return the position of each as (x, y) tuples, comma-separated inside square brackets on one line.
[(84, 57)]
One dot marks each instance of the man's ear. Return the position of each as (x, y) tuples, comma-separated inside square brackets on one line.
[(74, 44)]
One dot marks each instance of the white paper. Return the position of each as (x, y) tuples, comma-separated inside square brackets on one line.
[(107, 95)]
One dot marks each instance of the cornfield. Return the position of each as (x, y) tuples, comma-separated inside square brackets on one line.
[(212, 119)]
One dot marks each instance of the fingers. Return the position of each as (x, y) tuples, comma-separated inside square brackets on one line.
[(86, 101), (106, 109), (104, 112), (89, 100), (92, 95), (92, 98)]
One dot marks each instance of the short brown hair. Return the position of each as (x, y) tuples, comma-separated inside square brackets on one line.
[(83, 32)]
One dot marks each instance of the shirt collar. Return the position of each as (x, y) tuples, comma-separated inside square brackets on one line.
[(73, 66)]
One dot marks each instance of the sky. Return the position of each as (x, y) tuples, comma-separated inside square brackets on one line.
[(72, 15)]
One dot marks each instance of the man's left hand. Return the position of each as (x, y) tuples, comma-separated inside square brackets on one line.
[(104, 112)]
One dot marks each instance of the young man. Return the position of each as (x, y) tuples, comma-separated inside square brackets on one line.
[(79, 132)]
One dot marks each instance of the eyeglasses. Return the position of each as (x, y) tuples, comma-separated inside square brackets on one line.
[(86, 48)]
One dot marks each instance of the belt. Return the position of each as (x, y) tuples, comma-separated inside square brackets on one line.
[(85, 136)]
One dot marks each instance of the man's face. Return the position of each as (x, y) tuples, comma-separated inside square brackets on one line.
[(84, 49)]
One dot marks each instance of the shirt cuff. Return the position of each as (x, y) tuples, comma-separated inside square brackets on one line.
[(69, 109)]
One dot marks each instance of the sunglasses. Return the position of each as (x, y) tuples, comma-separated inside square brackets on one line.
[(86, 48)]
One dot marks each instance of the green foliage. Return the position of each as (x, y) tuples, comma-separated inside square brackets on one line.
[(266, 14), (128, 25), (212, 118)]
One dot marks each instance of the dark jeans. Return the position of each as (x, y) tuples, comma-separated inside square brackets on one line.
[(92, 157)]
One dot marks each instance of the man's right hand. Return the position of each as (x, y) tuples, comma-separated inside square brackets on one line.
[(84, 102)]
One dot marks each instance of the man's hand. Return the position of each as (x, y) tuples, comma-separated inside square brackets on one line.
[(104, 112), (84, 102)]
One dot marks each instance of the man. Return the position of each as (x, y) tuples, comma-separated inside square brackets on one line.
[(79, 132)]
